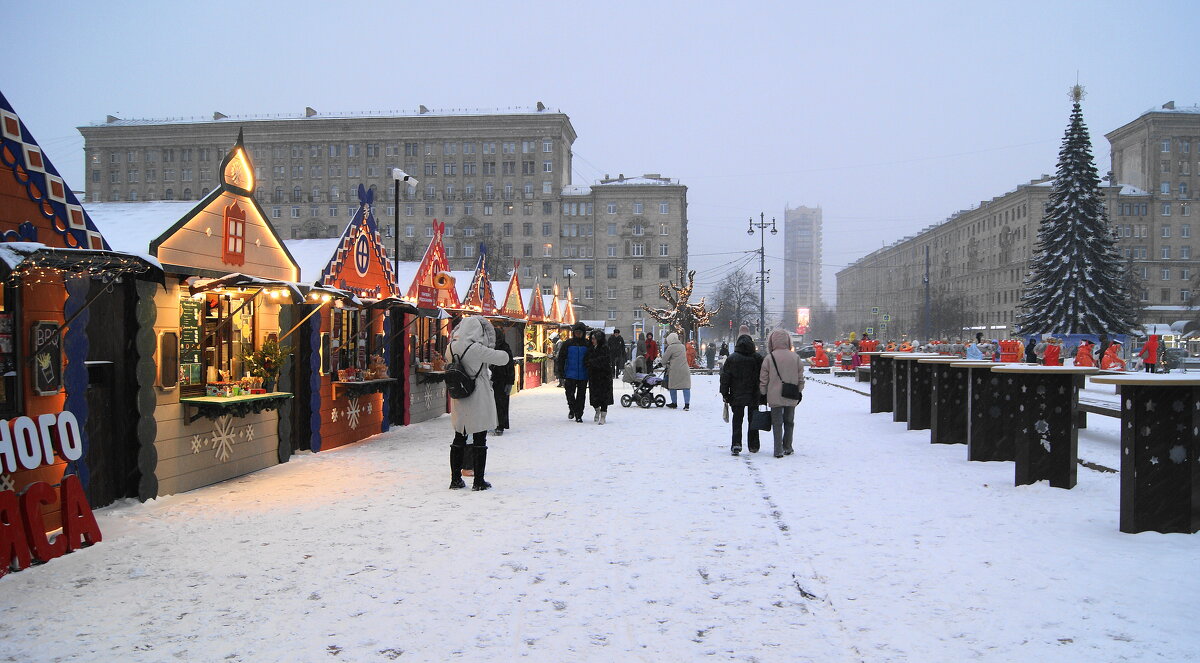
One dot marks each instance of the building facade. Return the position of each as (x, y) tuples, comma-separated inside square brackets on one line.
[(978, 258), (499, 180), (802, 265)]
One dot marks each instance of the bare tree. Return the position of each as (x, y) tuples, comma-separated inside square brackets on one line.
[(737, 298)]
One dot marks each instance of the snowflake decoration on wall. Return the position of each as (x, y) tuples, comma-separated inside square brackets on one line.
[(6, 482), (352, 413), (224, 438), (333, 415), (198, 443), (248, 432), (370, 408)]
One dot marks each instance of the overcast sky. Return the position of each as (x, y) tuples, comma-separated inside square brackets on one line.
[(890, 116)]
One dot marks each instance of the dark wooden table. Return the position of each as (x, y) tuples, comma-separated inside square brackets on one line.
[(1160, 468), (947, 401), (901, 363), (1043, 415), (989, 431), (881, 382), (916, 388)]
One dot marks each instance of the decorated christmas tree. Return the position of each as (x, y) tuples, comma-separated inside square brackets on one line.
[(1075, 284)]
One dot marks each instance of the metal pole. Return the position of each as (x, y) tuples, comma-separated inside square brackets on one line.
[(396, 236), (928, 323), (762, 269)]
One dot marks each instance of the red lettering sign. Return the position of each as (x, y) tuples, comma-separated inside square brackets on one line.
[(23, 537)]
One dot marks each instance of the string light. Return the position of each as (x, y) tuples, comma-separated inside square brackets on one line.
[(682, 314)]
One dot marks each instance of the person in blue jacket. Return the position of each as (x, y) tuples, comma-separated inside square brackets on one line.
[(569, 363)]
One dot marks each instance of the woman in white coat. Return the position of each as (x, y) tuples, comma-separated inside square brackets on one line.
[(473, 345), (677, 371)]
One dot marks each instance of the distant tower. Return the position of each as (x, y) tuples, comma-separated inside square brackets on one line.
[(802, 267)]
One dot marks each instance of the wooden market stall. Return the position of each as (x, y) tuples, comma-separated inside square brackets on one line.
[(539, 343), (68, 390), (427, 334), (228, 293), (349, 381)]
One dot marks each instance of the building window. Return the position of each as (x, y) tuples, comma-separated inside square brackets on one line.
[(612, 271), (637, 314), (1184, 210), (547, 250), (638, 249), (1185, 253), (545, 230), (589, 292), (664, 208), (662, 250), (1185, 295), (509, 147), (449, 250), (637, 208), (663, 270), (468, 251), (662, 229), (589, 271), (612, 292), (488, 209), (1166, 231), (612, 314), (638, 230), (1165, 188), (429, 209), (547, 208), (637, 270), (1166, 274), (410, 210), (637, 292), (547, 145), (1165, 210), (1166, 253), (1166, 145), (429, 231), (333, 210), (547, 166), (449, 209)]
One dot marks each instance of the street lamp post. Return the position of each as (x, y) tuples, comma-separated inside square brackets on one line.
[(399, 176), (762, 267), (569, 273)]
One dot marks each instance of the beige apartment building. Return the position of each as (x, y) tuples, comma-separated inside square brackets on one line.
[(978, 258), (498, 179), (802, 263)]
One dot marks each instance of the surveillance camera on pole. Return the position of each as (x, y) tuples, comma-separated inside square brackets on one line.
[(401, 177)]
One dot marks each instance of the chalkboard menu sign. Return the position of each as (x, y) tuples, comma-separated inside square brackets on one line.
[(47, 357), (191, 314)]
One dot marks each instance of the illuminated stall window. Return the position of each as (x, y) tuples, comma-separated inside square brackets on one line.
[(224, 325)]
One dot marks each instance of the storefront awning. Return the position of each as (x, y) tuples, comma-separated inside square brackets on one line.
[(20, 258), (242, 281), (394, 302)]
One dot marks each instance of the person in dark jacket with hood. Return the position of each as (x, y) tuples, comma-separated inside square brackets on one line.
[(600, 375), (739, 388), (1030, 352), (503, 378), (569, 364)]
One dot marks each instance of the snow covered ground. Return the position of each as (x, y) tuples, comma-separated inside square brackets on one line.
[(642, 540)]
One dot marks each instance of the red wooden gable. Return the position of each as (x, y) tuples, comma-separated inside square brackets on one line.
[(423, 290)]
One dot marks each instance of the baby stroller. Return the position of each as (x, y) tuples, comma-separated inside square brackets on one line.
[(643, 385)]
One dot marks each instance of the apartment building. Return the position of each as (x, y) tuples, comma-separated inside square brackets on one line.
[(802, 263), (500, 180), (978, 258)]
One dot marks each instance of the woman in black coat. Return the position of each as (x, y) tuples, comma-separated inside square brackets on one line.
[(503, 378), (739, 388), (600, 375)]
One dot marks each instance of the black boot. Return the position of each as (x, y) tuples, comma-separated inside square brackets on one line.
[(480, 464), (456, 464)]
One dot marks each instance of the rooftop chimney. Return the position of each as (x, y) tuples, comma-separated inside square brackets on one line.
[(424, 110), (1170, 105), (309, 112), (218, 115), (112, 118), (541, 107)]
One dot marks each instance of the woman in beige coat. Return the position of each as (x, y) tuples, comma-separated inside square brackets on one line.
[(677, 371), (781, 365)]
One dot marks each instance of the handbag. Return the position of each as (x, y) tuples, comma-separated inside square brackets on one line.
[(788, 390), (725, 413), (761, 420)]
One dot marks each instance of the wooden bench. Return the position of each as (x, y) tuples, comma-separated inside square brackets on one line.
[(824, 370), (843, 372), (1102, 408)]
